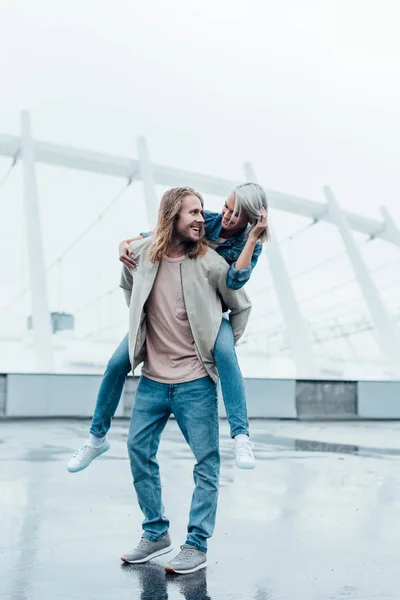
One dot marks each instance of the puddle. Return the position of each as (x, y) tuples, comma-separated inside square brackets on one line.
[(287, 443)]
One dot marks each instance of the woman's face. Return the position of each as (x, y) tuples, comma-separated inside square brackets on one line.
[(231, 221)]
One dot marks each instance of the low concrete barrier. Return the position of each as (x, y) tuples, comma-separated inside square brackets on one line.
[(268, 399), (3, 395), (40, 395), (378, 399), (326, 399), (130, 388)]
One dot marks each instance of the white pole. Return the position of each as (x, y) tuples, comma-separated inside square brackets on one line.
[(296, 327), (390, 225), (385, 327), (146, 174), (37, 276)]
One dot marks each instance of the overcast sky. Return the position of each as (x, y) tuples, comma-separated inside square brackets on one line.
[(308, 90)]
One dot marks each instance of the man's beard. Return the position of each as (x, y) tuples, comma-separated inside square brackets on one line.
[(186, 235)]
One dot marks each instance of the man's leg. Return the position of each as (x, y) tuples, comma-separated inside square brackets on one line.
[(149, 416), (195, 407), (107, 402), (233, 392)]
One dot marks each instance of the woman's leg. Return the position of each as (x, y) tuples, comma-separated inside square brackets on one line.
[(110, 390), (234, 395), (106, 405), (231, 380)]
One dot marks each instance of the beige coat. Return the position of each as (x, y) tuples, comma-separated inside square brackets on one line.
[(203, 284)]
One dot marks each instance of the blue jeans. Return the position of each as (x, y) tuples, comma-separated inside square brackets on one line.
[(231, 379), (111, 388), (195, 407), (229, 371)]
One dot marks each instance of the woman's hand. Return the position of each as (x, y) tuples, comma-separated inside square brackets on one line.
[(126, 256), (259, 227)]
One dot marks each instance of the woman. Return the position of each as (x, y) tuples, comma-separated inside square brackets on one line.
[(237, 234)]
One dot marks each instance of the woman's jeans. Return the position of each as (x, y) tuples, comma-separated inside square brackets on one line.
[(195, 407), (229, 372)]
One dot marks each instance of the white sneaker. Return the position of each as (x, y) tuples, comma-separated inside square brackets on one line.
[(244, 454), (84, 456)]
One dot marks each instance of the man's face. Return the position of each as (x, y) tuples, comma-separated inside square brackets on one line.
[(189, 224), (231, 220)]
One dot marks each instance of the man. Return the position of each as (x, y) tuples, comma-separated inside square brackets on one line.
[(237, 234), (174, 298)]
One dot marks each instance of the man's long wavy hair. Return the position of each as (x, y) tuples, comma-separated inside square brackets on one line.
[(170, 205)]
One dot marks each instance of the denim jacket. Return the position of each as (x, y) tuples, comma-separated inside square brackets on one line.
[(230, 249)]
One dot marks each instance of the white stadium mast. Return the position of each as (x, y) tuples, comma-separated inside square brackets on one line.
[(32, 151)]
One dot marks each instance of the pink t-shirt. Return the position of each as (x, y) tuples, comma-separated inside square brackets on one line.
[(171, 355)]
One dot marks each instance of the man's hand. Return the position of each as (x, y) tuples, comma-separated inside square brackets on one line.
[(125, 254), (260, 226)]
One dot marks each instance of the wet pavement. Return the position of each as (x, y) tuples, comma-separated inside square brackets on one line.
[(316, 520)]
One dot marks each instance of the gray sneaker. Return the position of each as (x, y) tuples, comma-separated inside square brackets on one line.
[(146, 550), (188, 560)]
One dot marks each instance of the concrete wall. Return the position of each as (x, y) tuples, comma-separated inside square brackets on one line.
[(3, 395), (326, 399), (379, 399), (36, 395), (39, 395), (268, 398), (131, 384)]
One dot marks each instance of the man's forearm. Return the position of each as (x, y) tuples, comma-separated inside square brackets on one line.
[(237, 302), (245, 256), (239, 322)]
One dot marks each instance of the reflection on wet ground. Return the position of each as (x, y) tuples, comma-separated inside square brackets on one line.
[(153, 583), (315, 520), (317, 446)]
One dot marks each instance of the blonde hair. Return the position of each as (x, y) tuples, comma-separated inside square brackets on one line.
[(252, 198), (170, 205)]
